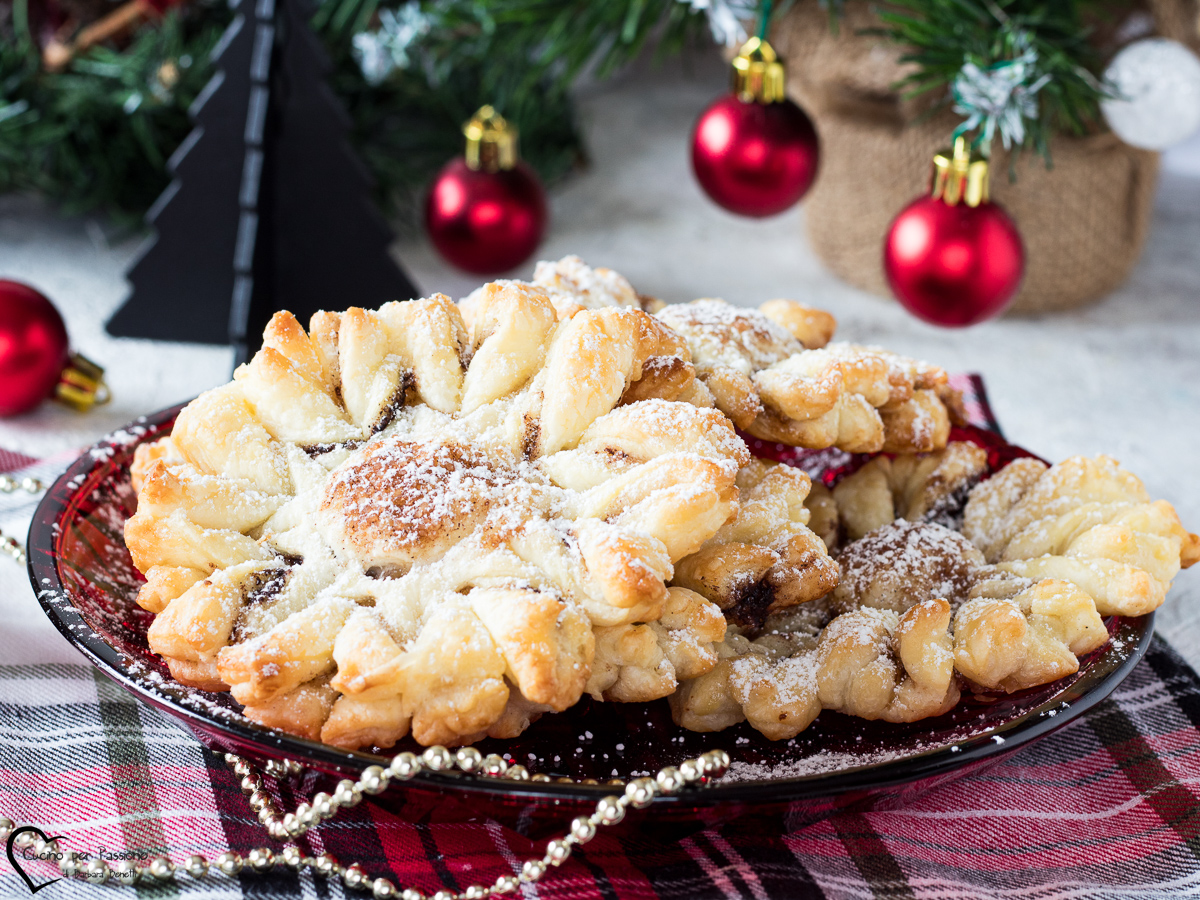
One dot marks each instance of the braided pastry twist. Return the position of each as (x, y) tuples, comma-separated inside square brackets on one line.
[(1086, 521)]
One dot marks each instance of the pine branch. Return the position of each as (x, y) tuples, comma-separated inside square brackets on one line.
[(942, 35)]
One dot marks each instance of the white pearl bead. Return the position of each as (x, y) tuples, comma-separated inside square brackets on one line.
[(469, 759), (323, 805), (260, 859), (582, 830), (124, 871), (716, 763), (557, 852), (354, 876), (327, 865), (259, 800), (404, 766), (506, 884), (670, 780), (374, 780), (383, 889), (443, 895), (161, 868), (229, 863), (96, 871), (347, 794), (437, 758), (196, 866), (690, 770), (494, 764), (411, 894), (476, 892), (292, 857), (533, 870), (609, 811), (641, 792), (6, 828)]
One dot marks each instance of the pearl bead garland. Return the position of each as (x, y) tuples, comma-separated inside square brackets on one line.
[(10, 485), (638, 793)]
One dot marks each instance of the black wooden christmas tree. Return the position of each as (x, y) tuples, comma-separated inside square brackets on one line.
[(269, 208)]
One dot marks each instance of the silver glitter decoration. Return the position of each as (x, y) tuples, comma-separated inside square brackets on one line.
[(1001, 97)]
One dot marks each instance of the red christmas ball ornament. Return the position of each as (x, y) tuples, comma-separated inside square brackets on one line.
[(35, 360), (755, 152), (33, 348), (486, 212), (954, 258)]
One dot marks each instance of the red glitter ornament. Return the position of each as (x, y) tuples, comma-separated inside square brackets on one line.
[(755, 152), (954, 258), (35, 360), (486, 212)]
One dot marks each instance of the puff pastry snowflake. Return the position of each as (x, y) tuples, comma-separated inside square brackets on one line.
[(394, 523)]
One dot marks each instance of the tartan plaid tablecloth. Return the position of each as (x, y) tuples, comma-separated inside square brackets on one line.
[(1105, 808)]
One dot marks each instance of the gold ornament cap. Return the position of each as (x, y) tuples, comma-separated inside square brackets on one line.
[(81, 385), (959, 175), (491, 141), (758, 75)]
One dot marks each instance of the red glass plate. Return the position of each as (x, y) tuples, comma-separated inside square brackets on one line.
[(87, 584)]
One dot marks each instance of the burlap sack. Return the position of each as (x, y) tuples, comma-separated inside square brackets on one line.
[(1083, 222)]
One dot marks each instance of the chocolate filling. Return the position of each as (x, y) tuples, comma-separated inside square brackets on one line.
[(750, 611)]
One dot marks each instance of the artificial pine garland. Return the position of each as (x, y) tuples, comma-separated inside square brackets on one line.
[(1018, 69), (97, 135)]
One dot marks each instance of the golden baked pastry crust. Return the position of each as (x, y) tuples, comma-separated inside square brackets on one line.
[(768, 559), (393, 522), (773, 371), (1086, 521), (776, 387), (920, 611), (927, 488)]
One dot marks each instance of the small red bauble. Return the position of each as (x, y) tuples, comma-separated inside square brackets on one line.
[(955, 258), (35, 358), (755, 159), (33, 348), (486, 211), (755, 152), (953, 265), (486, 222)]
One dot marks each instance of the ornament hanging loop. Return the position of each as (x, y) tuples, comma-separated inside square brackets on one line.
[(960, 176), (758, 75), (491, 141)]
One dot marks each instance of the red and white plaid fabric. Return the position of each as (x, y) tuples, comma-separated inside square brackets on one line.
[(1105, 808)]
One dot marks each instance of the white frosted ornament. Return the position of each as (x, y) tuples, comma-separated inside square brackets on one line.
[(1157, 86)]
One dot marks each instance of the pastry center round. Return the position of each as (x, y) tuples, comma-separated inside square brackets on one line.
[(397, 502), (899, 565)]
